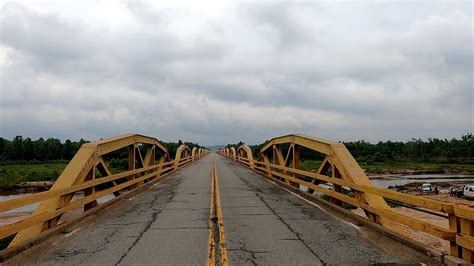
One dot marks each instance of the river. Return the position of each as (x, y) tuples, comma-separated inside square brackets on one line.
[(394, 180), (16, 214)]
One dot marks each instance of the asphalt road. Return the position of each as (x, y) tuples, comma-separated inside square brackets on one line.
[(263, 224)]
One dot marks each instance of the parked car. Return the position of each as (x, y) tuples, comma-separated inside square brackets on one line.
[(468, 191), (456, 191), (427, 187)]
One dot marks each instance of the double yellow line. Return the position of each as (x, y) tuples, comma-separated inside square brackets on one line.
[(217, 252)]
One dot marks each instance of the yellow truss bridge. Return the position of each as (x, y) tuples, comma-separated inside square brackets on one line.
[(226, 208)]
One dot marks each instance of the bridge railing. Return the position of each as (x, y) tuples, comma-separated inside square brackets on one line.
[(340, 178), (87, 183)]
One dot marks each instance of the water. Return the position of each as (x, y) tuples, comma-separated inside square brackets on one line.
[(28, 209), (400, 180), (25, 209)]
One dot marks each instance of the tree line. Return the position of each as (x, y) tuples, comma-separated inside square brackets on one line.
[(432, 150), (41, 150), (26, 150)]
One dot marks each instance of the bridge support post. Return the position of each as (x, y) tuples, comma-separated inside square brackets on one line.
[(194, 155), (244, 155), (90, 191), (267, 164), (453, 226), (131, 159), (336, 188), (149, 160), (183, 153), (279, 160), (132, 149), (293, 159), (462, 223)]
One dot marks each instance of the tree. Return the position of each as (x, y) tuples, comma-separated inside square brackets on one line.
[(68, 150), (3, 146), (53, 149), (28, 150), (17, 151), (40, 150)]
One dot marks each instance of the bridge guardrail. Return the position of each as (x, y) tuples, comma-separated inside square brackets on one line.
[(346, 182), (81, 175)]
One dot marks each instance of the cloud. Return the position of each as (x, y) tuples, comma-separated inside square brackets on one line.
[(223, 73)]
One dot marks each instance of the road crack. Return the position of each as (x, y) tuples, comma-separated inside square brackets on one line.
[(154, 217), (253, 259), (297, 235)]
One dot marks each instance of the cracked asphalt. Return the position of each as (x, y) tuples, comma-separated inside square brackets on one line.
[(169, 224), (266, 225)]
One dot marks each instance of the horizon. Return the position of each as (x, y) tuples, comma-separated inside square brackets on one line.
[(250, 144), (226, 71)]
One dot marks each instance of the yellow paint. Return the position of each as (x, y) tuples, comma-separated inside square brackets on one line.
[(211, 254), (183, 152), (223, 249), (216, 211)]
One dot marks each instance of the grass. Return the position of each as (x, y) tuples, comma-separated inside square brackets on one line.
[(310, 165), (11, 175), (14, 174)]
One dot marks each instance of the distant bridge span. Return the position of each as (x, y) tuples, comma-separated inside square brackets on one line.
[(207, 209)]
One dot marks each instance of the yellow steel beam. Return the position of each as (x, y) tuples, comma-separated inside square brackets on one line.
[(111, 144), (244, 152), (320, 145), (233, 152), (181, 153)]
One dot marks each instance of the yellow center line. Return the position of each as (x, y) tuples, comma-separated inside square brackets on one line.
[(217, 252), (223, 249), (211, 254)]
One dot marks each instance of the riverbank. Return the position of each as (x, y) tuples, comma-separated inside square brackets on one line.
[(36, 177), (27, 188), (413, 168), (402, 168), (410, 183), (32, 177), (19, 178)]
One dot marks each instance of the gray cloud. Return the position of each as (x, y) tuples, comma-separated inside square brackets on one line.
[(247, 71)]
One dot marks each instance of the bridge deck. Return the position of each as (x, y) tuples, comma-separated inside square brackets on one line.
[(169, 224)]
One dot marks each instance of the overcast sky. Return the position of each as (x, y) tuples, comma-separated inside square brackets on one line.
[(221, 72)]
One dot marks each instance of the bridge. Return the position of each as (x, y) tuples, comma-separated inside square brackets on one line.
[(226, 208)]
